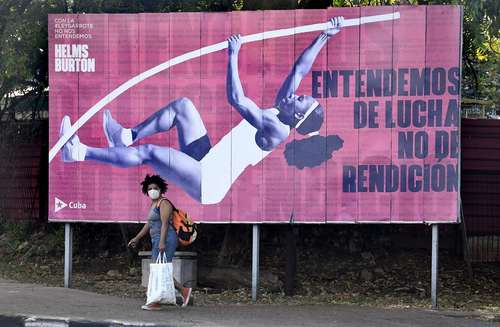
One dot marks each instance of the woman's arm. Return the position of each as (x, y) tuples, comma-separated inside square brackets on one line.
[(133, 242), (143, 231), (304, 62), (165, 213), (235, 95)]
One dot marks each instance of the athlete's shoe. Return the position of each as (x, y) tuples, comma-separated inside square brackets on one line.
[(73, 149), (114, 131)]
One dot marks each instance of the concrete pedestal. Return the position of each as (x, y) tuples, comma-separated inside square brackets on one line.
[(185, 266)]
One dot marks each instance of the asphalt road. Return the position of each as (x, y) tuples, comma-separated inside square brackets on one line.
[(39, 306)]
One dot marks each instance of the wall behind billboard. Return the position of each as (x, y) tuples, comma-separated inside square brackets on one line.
[(358, 125)]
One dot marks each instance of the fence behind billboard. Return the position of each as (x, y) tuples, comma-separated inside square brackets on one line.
[(336, 115)]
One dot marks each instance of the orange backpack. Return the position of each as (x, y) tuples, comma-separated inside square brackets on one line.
[(184, 226)]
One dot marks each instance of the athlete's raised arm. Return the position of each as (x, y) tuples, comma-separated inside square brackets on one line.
[(304, 62), (235, 95)]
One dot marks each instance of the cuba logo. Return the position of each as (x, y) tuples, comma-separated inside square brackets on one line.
[(60, 204)]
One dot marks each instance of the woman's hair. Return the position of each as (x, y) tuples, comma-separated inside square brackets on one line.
[(155, 179), (312, 151), (313, 122)]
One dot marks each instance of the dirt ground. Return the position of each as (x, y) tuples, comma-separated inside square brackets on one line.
[(400, 279)]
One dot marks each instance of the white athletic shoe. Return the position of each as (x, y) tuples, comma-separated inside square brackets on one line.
[(73, 150), (116, 135)]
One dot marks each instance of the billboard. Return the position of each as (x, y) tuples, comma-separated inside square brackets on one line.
[(337, 115)]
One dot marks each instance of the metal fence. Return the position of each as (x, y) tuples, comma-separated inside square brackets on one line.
[(480, 189), (23, 172)]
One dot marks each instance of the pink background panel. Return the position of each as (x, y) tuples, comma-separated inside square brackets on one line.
[(343, 54), (213, 102), (154, 93), (408, 52), (126, 45), (63, 96), (278, 177), (247, 191), (442, 50), (185, 36), (310, 183), (375, 143), (124, 62)]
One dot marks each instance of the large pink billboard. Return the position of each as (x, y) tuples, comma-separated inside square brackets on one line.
[(337, 115)]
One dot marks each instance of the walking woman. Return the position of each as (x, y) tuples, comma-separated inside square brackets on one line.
[(163, 235)]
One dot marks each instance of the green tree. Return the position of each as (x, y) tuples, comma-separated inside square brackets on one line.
[(481, 41), (24, 44), (481, 50), (23, 50)]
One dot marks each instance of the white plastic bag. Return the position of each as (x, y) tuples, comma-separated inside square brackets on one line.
[(161, 282)]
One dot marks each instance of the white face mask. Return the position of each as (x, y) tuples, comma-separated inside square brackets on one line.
[(154, 194)]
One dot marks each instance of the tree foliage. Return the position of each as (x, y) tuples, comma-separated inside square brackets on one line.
[(481, 42), (23, 49), (24, 55), (481, 50)]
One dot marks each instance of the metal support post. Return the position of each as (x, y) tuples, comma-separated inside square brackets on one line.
[(255, 260), (434, 266), (68, 254)]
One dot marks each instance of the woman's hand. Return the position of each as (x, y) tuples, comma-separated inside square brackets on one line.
[(161, 247), (133, 242), (234, 44), (336, 24)]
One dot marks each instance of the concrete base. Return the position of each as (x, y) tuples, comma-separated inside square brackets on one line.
[(185, 266)]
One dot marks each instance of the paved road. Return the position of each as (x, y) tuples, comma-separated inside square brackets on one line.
[(36, 306)]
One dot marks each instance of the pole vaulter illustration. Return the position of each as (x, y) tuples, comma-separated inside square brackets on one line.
[(197, 166)]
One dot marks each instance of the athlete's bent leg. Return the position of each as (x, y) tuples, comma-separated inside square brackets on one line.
[(181, 113)]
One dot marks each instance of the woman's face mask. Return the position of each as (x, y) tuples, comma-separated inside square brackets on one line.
[(154, 194)]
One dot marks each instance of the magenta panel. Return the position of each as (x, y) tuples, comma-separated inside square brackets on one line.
[(216, 110), (185, 82), (374, 147), (355, 126), (407, 205), (123, 62), (310, 182), (153, 93), (278, 179), (63, 100), (247, 203), (443, 54), (343, 57)]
